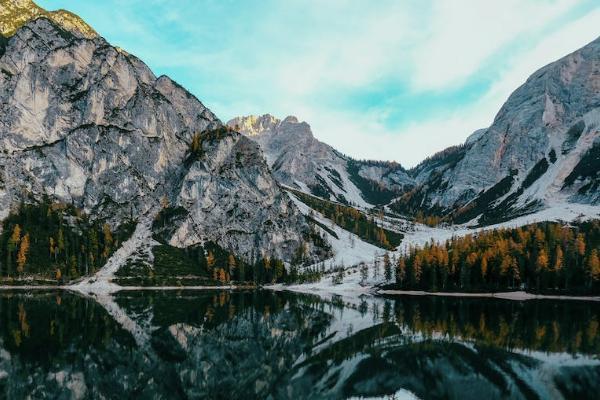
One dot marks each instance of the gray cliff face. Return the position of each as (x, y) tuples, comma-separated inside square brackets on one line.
[(232, 181), (542, 148), (86, 123), (532, 122), (300, 161), (296, 158)]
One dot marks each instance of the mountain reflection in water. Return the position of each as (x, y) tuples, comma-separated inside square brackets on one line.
[(281, 345)]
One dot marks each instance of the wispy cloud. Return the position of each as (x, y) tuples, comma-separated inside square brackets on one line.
[(385, 80)]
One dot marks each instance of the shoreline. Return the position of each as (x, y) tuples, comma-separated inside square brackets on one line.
[(122, 288), (373, 291), (515, 296)]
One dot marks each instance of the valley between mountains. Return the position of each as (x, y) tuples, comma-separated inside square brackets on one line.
[(112, 178)]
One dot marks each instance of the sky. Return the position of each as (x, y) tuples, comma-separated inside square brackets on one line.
[(385, 80)]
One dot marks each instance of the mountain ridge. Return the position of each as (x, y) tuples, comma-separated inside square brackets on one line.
[(542, 148), (87, 124), (301, 161)]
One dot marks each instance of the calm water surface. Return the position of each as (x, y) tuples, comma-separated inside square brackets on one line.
[(262, 344)]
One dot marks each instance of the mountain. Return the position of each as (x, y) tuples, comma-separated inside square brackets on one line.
[(87, 124), (542, 150), (300, 161)]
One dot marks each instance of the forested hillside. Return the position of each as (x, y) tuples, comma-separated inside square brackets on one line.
[(56, 241), (353, 220), (542, 258)]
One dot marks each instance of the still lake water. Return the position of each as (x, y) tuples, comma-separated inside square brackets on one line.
[(280, 345)]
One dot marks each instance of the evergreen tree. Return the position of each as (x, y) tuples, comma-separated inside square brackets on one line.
[(364, 273), (401, 271), (387, 267)]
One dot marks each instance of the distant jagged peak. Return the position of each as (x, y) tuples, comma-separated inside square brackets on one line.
[(16, 13), (255, 125)]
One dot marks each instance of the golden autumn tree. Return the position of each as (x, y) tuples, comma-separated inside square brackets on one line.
[(223, 276), (60, 242), (13, 242), (15, 238), (558, 259), (541, 262), (484, 266), (593, 266), (210, 260), (22, 254)]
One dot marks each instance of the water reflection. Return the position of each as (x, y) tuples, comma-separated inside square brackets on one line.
[(262, 344)]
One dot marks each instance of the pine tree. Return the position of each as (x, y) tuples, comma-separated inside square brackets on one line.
[(375, 268), (416, 270), (541, 265), (73, 267), (387, 267), (400, 271), (364, 273), (593, 266), (60, 241), (108, 240), (279, 270), (231, 264)]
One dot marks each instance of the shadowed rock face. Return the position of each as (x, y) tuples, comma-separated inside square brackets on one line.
[(85, 123)]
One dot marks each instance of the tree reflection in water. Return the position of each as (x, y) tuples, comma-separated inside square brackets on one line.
[(262, 344)]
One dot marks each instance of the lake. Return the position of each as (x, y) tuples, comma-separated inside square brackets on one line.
[(282, 345)]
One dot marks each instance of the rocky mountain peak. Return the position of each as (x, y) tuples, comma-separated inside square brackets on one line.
[(87, 124), (254, 125), (16, 13)]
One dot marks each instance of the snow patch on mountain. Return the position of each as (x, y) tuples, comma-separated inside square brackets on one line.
[(348, 249)]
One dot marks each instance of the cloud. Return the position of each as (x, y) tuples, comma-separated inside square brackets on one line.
[(350, 68), (362, 135), (463, 34)]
